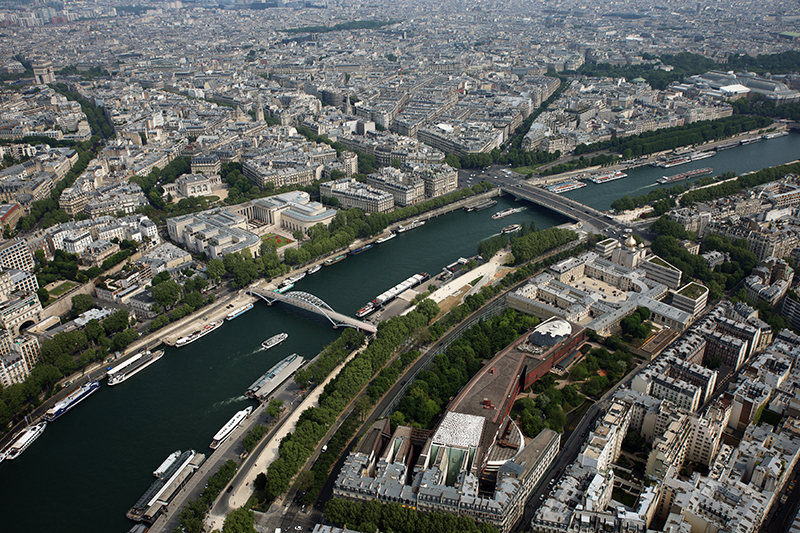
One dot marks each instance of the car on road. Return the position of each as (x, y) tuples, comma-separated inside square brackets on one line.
[(298, 528)]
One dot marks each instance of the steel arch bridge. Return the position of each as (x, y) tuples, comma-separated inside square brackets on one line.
[(314, 304)]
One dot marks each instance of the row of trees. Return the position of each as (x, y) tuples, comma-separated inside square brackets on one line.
[(440, 381), (375, 516), (534, 244), (704, 131), (330, 356), (488, 247), (581, 162), (95, 115), (47, 211), (314, 422), (318, 474), (514, 155), (242, 268)]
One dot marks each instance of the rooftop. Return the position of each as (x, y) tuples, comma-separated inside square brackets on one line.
[(693, 291)]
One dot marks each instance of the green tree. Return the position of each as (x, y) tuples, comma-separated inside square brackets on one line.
[(81, 303), (166, 294), (43, 294), (116, 322), (239, 520), (94, 331), (215, 269), (159, 278)]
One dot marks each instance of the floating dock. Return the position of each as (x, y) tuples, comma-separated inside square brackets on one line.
[(266, 384), (163, 490)]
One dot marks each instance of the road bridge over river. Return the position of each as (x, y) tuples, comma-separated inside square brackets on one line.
[(563, 205), (311, 303)]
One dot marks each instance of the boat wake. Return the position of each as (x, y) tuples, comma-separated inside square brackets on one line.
[(228, 401)]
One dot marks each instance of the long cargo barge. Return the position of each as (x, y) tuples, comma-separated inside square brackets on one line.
[(272, 379), (565, 186), (155, 500), (608, 176), (480, 206), (72, 400), (727, 145), (133, 366), (361, 249), (685, 175)]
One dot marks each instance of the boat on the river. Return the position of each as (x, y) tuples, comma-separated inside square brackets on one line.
[(223, 434), (239, 312), (136, 364), (72, 400), (25, 439), (274, 340)]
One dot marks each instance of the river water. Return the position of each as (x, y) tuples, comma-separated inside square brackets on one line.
[(739, 160), (92, 464)]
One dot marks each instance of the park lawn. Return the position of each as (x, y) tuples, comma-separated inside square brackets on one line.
[(277, 240), (211, 199), (61, 289), (526, 170)]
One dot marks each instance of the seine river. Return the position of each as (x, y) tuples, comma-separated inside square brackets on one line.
[(91, 465), (740, 160)]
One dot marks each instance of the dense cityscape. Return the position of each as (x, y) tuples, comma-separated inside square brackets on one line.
[(394, 220)]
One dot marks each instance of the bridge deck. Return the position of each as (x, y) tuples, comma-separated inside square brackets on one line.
[(333, 316), (562, 204)]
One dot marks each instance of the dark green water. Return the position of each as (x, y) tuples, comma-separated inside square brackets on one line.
[(92, 464), (740, 160)]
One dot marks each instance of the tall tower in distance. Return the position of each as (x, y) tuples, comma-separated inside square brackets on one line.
[(43, 72), (259, 109)]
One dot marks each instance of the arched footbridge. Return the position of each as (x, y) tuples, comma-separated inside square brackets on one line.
[(313, 304)]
